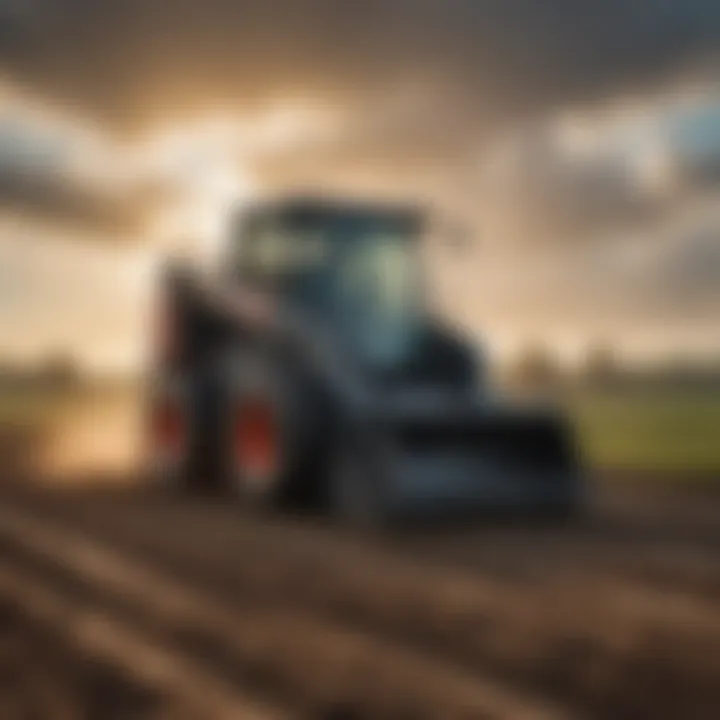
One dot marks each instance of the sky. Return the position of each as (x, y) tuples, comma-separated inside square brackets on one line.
[(579, 140)]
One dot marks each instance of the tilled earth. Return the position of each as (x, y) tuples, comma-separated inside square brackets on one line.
[(614, 616), (42, 675)]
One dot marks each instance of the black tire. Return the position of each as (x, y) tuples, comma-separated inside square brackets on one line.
[(251, 381), (168, 470), (196, 467)]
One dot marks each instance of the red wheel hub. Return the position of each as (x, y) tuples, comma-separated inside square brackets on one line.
[(256, 438)]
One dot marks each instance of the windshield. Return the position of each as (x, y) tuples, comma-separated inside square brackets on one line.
[(359, 272), (377, 295)]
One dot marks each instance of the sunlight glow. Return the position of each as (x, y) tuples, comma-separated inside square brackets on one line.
[(203, 172), (204, 166)]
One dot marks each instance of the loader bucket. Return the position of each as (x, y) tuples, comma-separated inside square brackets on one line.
[(485, 462)]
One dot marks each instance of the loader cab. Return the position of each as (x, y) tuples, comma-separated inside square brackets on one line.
[(353, 267)]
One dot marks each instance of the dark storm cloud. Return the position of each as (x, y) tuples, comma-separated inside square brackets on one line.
[(682, 279), (695, 137), (420, 82), (54, 198), (559, 182), (132, 60), (37, 182)]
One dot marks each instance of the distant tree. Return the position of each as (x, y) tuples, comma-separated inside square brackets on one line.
[(536, 368), (601, 365), (8, 371), (60, 370)]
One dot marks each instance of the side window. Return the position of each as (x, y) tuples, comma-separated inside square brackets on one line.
[(272, 251), (266, 251), (259, 251), (238, 260)]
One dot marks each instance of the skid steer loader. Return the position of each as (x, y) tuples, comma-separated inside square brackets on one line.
[(307, 372)]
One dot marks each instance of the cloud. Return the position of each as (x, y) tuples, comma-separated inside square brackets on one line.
[(57, 173), (682, 278), (572, 178), (583, 111), (695, 135), (416, 85), (52, 197), (130, 61), (655, 291)]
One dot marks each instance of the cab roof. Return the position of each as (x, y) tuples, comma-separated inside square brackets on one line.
[(301, 210)]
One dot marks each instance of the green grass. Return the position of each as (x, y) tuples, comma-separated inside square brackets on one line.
[(667, 430), (664, 430)]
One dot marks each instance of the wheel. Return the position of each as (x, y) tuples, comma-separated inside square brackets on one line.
[(168, 436), (255, 451), (182, 434), (262, 440)]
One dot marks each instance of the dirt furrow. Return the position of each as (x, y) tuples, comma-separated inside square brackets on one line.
[(167, 683), (586, 553), (592, 650), (315, 668)]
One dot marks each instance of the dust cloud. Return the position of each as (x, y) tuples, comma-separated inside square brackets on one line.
[(95, 440)]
